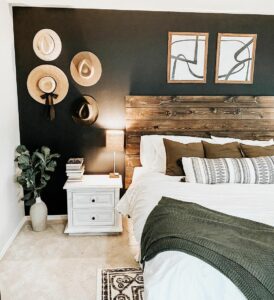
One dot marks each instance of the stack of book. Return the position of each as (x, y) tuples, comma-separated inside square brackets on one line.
[(75, 169)]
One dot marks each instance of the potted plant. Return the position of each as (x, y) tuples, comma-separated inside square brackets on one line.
[(35, 174)]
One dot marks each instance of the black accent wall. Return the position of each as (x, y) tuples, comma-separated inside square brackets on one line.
[(132, 47)]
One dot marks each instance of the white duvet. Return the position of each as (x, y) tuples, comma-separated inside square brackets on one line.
[(175, 275)]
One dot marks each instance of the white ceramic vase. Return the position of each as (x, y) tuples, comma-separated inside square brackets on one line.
[(38, 215)]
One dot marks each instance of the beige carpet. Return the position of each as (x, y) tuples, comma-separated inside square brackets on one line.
[(53, 266)]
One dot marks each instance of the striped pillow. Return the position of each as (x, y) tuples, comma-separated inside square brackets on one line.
[(257, 170)]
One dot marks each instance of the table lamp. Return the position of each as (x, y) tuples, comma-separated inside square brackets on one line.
[(115, 143)]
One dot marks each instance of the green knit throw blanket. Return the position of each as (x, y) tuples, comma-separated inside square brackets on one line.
[(241, 249)]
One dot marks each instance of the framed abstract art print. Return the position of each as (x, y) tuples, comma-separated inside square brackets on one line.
[(187, 57), (235, 58)]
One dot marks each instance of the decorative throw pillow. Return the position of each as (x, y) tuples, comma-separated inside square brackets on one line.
[(259, 170), (229, 150), (152, 149), (175, 151), (256, 151)]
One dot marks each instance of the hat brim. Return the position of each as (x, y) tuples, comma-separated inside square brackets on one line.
[(91, 119), (95, 63), (62, 84), (57, 45)]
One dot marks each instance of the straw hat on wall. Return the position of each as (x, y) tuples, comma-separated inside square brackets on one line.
[(85, 68), (38, 75), (48, 85), (47, 44), (88, 111)]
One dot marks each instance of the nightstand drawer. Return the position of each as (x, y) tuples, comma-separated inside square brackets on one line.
[(93, 217), (94, 199)]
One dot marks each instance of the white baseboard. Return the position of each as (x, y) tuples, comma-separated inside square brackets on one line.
[(53, 218), (57, 217), (19, 227), (12, 237)]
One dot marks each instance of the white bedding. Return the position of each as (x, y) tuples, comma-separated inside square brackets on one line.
[(176, 275)]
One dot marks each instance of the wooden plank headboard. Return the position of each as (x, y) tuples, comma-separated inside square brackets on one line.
[(246, 117)]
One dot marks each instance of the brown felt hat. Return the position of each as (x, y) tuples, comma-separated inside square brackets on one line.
[(85, 68), (47, 44), (47, 79)]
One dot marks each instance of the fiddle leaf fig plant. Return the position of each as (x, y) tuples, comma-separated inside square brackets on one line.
[(35, 171)]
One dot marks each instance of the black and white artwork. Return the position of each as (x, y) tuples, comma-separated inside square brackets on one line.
[(235, 58), (187, 57)]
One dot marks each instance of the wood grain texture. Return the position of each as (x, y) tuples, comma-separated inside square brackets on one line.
[(199, 125), (200, 101), (197, 113), (244, 117)]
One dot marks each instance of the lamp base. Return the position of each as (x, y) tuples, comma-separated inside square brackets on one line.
[(114, 175)]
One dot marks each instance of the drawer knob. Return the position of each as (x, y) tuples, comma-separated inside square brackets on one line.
[(92, 200), (93, 218)]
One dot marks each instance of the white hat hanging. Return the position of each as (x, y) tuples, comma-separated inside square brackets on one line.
[(47, 44), (48, 85), (86, 68)]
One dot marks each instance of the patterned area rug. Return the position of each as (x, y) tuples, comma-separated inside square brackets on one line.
[(120, 284)]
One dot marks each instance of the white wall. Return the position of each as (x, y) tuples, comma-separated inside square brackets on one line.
[(216, 6), (11, 211)]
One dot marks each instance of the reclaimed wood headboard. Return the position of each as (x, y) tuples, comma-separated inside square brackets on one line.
[(246, 117)]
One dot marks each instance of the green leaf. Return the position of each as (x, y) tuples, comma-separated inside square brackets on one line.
[(39, 155), (52, 164), (23, 160), (22, 149), (55, 155), (45, 150), (41, 186), (22, 167), (30, 202), (50, 169), (21, 179), (37, 162), (46, 176)]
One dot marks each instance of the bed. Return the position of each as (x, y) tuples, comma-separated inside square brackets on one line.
[(173, 274)]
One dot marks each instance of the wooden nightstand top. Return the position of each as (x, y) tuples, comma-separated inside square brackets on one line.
[(95, 181)]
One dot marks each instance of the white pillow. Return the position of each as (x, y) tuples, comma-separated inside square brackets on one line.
[(225, 140), (153, 153), (256, 170)]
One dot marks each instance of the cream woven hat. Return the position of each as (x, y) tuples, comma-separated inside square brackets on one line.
[(47, 44), (47, 79), (86, 68)]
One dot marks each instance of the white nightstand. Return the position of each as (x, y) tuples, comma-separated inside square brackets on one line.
[(91, 205)]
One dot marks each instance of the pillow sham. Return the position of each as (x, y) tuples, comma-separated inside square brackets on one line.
[(259, 170), (224, 140), (229, 150), (175, 151), (257, 151), (152, 150)]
